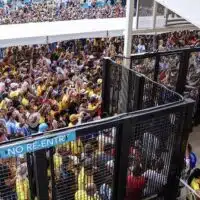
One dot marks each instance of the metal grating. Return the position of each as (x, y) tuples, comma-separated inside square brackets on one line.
[(115, 87), (150, 155), (169, 70), (192, 87), (144, 66), (84, 168), (157, 95), (131, 91), (14, 182)]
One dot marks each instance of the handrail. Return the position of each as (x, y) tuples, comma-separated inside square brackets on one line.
[(188, 187)]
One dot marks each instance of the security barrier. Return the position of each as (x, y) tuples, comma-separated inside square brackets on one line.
[(178, 70), (137, 153)]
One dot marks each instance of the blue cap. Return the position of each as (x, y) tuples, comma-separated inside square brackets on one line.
[(43, 127)]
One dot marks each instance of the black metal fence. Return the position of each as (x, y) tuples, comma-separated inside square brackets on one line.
[(178, 70), (136, 154), (126, 90), (106, 159)]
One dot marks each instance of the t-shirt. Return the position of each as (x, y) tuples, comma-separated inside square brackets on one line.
[(155, 182), (22, 189), (106, 192), (141, 48), (195, 185), (82, 195), (11, 127), (135, 187), (83, 179)]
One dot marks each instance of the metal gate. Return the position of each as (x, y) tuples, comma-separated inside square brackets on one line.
[(109, 159)]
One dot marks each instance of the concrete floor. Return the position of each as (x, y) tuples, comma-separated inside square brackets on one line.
[(194, 140)]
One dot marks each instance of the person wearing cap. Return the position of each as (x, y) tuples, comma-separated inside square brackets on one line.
[(43, 127), (73, 120)]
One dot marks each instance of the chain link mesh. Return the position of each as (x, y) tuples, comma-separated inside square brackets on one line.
[(84, 168), (14, 182), (150, 154)]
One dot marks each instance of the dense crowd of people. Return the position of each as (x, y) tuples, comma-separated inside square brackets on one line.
[(68, 10), (169, 65), (47, 87), (57, 12), (65, 80), (50, 87)]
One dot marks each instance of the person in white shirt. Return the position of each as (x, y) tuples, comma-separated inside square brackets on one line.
[(155, 178), (141, 47)]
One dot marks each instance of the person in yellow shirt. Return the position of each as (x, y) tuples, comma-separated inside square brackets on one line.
[(194, 181), (90, 193), (41, 88), (22, 183), (94, 104), (73, 120), (86, 175)]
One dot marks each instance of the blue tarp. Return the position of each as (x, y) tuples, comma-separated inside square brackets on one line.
[(98, 4)]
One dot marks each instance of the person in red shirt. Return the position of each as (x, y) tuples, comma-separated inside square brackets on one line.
[(135, 183)]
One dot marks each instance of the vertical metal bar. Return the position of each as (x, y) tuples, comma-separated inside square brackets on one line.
[(40, 166), (121, 164), (155, 6), (155, 45), (131, 85), (130, 88), (183, 70), (128, 31), (106, 86), (156, 68), (177, 160), (197, 113), (138, 92), (117, 161), (123, 100), (53, 182), (29, 161)]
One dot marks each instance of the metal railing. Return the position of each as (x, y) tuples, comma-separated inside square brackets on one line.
[(130, 90), (104, 159), (178, 70)]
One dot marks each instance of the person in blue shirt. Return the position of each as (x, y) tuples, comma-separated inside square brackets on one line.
[(192, 157), (23, 130), (11, 124)]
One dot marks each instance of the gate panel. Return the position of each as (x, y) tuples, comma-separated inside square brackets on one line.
[(85, 167), (169, 70), (144, 65), (153, 143), (9, 168), (192, 88)]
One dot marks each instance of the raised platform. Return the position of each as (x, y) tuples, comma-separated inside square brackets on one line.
[(43, 32)]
